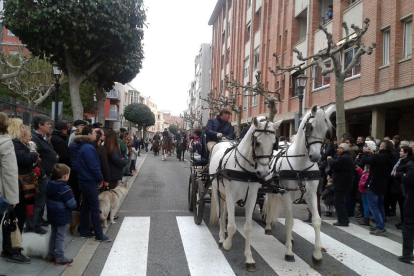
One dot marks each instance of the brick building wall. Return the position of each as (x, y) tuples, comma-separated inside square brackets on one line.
[(379, 87)]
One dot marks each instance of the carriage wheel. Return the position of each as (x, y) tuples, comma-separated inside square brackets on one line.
[(191, 184), (198, 201)]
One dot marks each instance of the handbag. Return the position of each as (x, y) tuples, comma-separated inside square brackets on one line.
[(4, 204), (28, 183), (9, 222)]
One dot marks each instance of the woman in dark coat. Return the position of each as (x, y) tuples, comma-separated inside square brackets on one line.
[(115, 160), (103, 157), (403, 165)]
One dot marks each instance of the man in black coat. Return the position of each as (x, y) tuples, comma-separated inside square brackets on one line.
[(59, 143), (219, 127), (343, 171), (381, 167), (408, 226), (42, 127)]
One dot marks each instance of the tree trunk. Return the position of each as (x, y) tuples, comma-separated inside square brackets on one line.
[(272, 110), (75, 82), (144, 132), (238, 120), (100, 104), (31, 112), (340, 107)]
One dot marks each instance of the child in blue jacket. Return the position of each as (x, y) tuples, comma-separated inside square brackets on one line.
[(60, 203)]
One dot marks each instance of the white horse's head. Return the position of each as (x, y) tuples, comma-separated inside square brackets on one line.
[(315, 128), (263, 138)]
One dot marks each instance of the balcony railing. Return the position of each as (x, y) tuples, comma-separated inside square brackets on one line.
[(113, 94), (113, 115)]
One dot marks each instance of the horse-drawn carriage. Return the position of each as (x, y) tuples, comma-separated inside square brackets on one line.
[(239, 173)]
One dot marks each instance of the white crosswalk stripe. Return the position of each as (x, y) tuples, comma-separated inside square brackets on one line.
[(356, 261), (201, 250), (130, 249)]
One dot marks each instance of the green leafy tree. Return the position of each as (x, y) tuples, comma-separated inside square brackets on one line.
[(173, 129), (140, 114), (79, 35)]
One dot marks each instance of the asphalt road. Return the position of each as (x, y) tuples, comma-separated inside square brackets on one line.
[(159, 196)]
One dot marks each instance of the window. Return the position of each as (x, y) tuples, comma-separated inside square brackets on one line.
[(246, 66), (254, 99), (408, 39), (9, 33), (249, 3), (256, 58), (318, 79), (386, 47), (248, 32), (348, 57), (259, 18), (228, 28)]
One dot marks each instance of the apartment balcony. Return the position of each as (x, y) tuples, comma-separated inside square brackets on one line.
[(320, 42), (113, 116), (301, 46), (114, 95)]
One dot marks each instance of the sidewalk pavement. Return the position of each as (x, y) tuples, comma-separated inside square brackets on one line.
[(74, 246)]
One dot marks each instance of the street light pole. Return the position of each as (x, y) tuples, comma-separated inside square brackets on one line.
[(96, 105), (300, 84), (57, 72)]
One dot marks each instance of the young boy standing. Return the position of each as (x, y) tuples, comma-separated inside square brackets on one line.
[(60, 203)]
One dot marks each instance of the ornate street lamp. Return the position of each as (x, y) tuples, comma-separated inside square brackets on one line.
[(57, 73), (121, 117), (301, 84)]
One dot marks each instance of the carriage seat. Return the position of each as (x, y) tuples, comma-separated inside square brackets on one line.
[(201, 160)]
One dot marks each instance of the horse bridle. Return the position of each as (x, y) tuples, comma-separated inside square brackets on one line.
[(308, 128), (254, 144)]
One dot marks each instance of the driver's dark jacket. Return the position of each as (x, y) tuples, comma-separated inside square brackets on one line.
[(166, 134), (217, 125), (156, 137)]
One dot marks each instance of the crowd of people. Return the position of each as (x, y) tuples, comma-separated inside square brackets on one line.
[(62, 169), (369, 177)]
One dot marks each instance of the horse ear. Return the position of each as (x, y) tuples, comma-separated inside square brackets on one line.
[(314, 109), (255, 122), (330, 110), (277, 124)]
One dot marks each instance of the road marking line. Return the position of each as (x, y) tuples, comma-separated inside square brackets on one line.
[(354, 260), (381, 242), (273, 251), (202, 252), (129, 254)]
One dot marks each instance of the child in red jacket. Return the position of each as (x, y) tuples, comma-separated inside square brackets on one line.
[(364, 176)]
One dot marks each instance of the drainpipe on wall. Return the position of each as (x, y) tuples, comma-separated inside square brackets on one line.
[(250, 58), (225, 48), (306, 52)]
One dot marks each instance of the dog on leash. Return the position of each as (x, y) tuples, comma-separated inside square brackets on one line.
[(36, 245), (109, 202)]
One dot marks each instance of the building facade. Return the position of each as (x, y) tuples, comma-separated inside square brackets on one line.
[(379, 91), (200, 86)]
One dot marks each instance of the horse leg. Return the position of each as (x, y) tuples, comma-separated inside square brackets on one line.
[(222, 220), (251, 202), (316, 223), (231, 225), (289, 257)]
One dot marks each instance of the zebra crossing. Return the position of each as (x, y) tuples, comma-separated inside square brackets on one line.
[(201, 249)]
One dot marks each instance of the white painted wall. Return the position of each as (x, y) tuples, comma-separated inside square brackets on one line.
[(247, 49), (256, 39), (353, 15), (301, 47), (300, 5), (249, 15), (258, 5), (320, 42)]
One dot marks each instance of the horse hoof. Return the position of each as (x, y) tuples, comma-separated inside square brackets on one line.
[(251, 267), (316, 262), (220, 245), (289, 258), (268, 232)]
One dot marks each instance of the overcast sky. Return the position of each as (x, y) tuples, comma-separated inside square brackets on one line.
[(171, 42)]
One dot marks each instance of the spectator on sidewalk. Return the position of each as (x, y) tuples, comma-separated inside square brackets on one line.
[(58, 140), (134, 156), (78, 126), (343, 171), (9, 188), (103, 157), (115, 160), (42, 128), (363, 174), (381, 167), (89, 177), (60, 203)]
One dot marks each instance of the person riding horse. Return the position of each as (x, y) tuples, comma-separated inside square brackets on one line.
[(156, 137), (219, 127)]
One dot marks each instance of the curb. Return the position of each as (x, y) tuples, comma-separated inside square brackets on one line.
[(85, 254)]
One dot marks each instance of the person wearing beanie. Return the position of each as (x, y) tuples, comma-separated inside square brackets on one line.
[(78, 124)]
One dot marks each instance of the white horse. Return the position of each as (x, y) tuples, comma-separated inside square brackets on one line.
[(237, 171), (300, 157)]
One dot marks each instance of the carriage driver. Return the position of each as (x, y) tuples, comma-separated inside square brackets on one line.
[(219, 127)]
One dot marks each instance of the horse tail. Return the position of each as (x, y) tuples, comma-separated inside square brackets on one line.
[(271, 207), (214, 210)]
